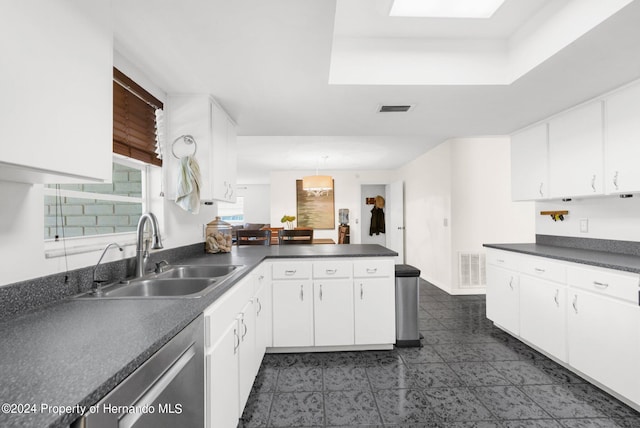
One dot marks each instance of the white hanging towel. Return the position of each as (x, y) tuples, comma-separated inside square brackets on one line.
[(188, 193)]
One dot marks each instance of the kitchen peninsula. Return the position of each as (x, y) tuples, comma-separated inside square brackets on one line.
[(75, 351)]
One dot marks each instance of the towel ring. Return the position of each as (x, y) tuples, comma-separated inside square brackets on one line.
[(188, 139)]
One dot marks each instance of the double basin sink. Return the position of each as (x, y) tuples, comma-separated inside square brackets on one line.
[(187, 281)]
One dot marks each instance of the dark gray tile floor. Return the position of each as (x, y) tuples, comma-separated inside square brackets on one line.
[(468, 374)]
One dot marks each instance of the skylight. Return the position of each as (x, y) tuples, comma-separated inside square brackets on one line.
[(445, 8)]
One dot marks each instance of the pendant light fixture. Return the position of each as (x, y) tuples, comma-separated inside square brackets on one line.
[(317, 185)]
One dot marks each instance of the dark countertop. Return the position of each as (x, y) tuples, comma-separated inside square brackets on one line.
[(74, 352), (624, 262)]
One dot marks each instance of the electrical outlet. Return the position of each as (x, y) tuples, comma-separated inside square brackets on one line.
[(584, 225)]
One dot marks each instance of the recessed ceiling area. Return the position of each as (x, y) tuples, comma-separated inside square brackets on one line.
[(371, 47), (270, 64)]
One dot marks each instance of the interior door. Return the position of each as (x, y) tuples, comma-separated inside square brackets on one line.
[(395, 219)]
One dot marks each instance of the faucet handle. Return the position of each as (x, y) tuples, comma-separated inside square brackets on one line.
[(161, 266)]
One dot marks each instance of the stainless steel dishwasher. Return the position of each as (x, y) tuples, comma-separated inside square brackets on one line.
[(166, 391)]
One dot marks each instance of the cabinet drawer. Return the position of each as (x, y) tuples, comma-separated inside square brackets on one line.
[(373, 268), (503, 259), (544, 268), (224, 311), (291, 270), (616, 284), (332, 269)]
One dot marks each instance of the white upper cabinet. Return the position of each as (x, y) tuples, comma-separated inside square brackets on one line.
[(199, 116), (576, 152), (622, 141), (530, 164), (56, 104)]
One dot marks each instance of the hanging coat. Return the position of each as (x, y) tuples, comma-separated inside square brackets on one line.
[(377, 221)]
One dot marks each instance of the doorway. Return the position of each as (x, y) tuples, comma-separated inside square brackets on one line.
[(393, 238)]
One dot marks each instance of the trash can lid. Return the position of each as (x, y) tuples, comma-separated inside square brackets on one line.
[(407, 271)]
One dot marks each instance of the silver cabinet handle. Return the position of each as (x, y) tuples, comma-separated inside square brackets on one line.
[(575, 303), (593, 182), (320, 293), (290, 272), (600, 284), (331, 271), (246, 329), (259, 306), (302, 293), (261, 278), (236, 340), (540, 190), (500, 260), (361, 291), (555, 298), (372, 270), (539, 270), (511, 283), (615, 180)]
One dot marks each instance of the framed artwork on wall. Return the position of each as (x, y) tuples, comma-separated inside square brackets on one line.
[(315, 211)]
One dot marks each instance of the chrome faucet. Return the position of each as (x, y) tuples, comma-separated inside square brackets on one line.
[(142, 254), (96, 283)]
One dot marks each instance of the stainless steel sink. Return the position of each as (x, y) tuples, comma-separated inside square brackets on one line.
[(158, 287), (197, 271), (178, 281)]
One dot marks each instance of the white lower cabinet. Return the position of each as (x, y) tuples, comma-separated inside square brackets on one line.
[(333, 312), (334, 303), (543, 315), (503, 298), (292, 313), (222, 387), (374, 310), (234, 347), (247, 349), (585, 317), (604, 328)]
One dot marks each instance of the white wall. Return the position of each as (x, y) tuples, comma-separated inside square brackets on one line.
[(458, 197), (257, 202), (608, 217), (346, 195)]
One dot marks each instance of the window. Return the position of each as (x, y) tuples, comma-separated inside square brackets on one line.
[(82, 210), (232, 213), (72, 210)]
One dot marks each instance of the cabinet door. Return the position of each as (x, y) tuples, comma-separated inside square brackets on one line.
[(542, 315), (503, 298), (247, 350), (622, 141), (576, 152), (223, 406), (374, 310), (530, 164), (219, 154), (333, 312), (56, 118), (263, 321), (604, 341), (188, 115), (292, 313)]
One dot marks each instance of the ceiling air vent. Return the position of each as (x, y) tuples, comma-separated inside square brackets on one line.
[(394, 108)]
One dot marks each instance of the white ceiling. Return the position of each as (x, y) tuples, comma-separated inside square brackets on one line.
[(269, 64)]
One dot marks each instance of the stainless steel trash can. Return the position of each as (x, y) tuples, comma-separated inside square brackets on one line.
[(407, 306)]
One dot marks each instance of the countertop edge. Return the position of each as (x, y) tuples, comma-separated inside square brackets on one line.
[(615, 261)]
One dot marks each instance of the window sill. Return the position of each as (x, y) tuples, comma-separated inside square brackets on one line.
[(86, 244)]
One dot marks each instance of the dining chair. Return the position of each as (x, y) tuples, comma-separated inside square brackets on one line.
[(295, 236), (253, 237)]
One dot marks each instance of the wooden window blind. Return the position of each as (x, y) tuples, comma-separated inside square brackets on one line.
[(134, 120)]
